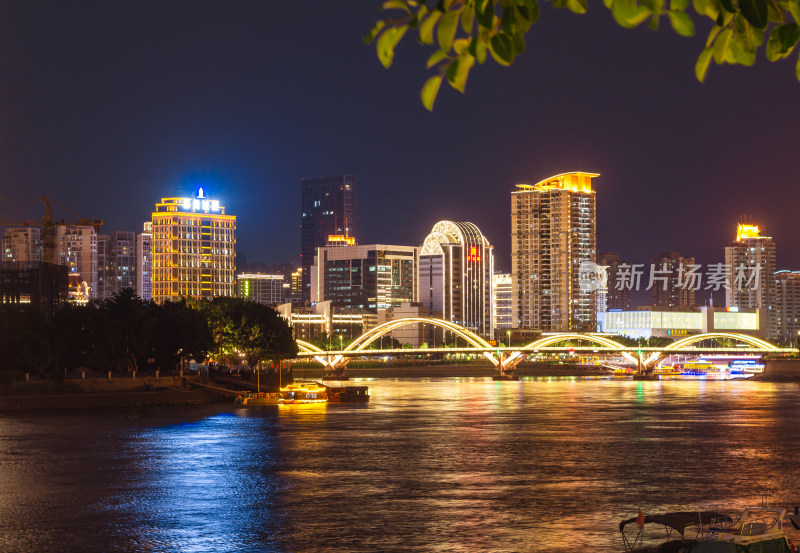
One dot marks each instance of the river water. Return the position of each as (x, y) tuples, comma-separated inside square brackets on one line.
[(434, 465)]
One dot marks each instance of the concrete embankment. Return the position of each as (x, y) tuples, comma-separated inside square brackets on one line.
[(59, 402)]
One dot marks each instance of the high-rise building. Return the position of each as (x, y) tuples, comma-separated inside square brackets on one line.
[(456, 270), (261, 288), (618, 297), (671, 285), (372, 277), (116, 263), (553, 237), (22, 245), (326, 210), (787, 306), (194, 249), (144, 262), (76, 248), (503, 292), (749, 268)]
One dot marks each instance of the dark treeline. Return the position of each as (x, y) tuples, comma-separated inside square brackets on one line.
[(124, 333)]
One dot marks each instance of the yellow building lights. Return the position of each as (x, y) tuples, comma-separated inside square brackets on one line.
[(744, 231), (575, 181)]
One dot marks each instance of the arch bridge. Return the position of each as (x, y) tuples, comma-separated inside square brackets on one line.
[(506, 359)]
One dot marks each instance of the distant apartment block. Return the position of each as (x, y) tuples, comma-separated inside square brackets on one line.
[(261, 288)]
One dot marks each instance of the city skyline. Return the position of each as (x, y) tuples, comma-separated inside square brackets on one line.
[(206, 101)]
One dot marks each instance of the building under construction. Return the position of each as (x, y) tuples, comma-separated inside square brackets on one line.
[(39, 284)]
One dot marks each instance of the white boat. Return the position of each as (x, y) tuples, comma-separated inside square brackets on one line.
[(756, 529)]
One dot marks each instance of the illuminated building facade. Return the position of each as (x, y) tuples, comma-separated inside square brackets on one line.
[(502, 290), (553, 232), (456, 270), (76, 248), (327, 209), (372, 277), (261, 288), (144, 262), (22, 245), (194, 249), (787, 306), (671, 289), (116, 263), (678, 324), (750, 266)]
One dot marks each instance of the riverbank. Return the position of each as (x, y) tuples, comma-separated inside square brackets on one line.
[(96, 400)]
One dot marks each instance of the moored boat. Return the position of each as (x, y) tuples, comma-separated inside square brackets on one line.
[(305, 391), (348, 394), (260, 398), (755, 530), (675, 532)]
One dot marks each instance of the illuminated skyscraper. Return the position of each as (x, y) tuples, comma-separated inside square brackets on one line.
[(456, 269), (326, 210), (194, 249), (617, 297), (503, 292), (750, 266), (553, 232), (76, 247), (261, 288)]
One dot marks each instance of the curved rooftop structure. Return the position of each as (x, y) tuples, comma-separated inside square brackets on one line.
[(576, 181), (450, 232)]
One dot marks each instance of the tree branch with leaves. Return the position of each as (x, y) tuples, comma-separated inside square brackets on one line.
[(463, 32)]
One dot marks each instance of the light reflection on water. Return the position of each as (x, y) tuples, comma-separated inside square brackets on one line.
[(429, 465)]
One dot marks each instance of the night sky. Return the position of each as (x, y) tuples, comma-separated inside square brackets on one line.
[(108, 106)]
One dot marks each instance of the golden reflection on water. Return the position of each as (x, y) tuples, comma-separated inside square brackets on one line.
[(433, 464)]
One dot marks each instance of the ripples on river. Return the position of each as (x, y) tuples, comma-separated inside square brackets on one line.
[(435, 465)]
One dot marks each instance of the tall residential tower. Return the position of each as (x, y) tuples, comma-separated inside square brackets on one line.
[(553, 238)]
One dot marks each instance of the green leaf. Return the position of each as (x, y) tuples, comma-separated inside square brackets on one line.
[(680, 5), (721, 46), (728, 6), (387, 42), (427, 25), (484, 13), (395, 5), (458, 72), (577, 6), (794, 9), (467, 17), (435, 58), (628, 13), (429, 91), (741, 54), (788, 35), (446, 31), (701, 67), (500, 48), (370, 36), (681, 22), (755, 11), (712, 35), (797, 68)]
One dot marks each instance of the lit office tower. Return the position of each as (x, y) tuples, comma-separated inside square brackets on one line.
[(552, 233), (261, 288), (76, 247), (372, 277), (144, 262), (750, 266), (671, 286), (503, 291), (326, 210), (194, 249), (618, 297), (116, 263), (22, 245), (456, 269)]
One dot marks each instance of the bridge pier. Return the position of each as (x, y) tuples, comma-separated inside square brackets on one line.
[(335, 373), (507, 366)]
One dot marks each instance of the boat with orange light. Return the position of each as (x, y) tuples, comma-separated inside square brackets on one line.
[(304, 391), (260, 398)]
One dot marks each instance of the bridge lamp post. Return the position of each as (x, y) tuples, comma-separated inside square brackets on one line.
[(508, 333)]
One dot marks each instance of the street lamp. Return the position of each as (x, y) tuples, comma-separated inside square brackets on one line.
[(508, 333), (340, 342)]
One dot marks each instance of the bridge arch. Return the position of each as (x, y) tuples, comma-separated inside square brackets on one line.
[(593, 338), (363, 341), (307, 347), (687, 342)]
